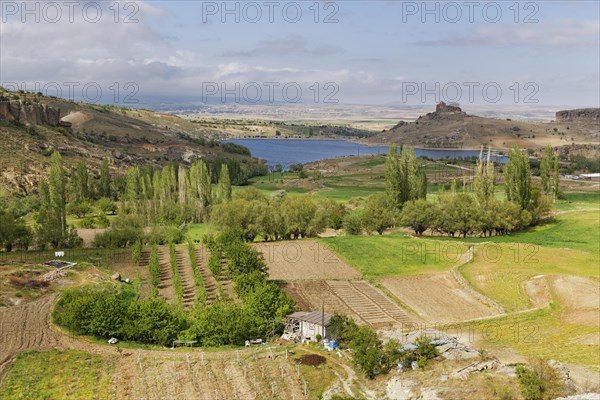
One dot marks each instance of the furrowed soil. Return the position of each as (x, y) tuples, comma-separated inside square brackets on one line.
[(437, 297), (304, 259)]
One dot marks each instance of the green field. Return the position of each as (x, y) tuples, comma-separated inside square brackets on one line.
[(540, 333), (499, 270), (396, 254), (59, 375)]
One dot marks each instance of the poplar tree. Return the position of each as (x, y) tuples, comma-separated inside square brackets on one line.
[(517, 178), (392, 178), (555, 177), (224, 187), (545, 168), (104, 184), (485, 179)]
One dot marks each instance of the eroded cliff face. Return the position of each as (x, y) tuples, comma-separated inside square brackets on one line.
[(579, 115), (29, 113)]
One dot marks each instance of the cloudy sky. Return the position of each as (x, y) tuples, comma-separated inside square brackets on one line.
[(359, 52)]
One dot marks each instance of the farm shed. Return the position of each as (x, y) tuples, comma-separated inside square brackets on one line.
[(306, 325)]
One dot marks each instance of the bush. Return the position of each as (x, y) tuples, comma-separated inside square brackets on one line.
[(352, 224), (136, 252), (154, 268), (540, 381)]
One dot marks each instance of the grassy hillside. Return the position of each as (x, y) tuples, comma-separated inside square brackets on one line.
[(123, 136)]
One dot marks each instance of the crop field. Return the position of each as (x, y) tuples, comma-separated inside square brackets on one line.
[(438, 297), (304, 259), (185, 271), (209, 376), (396, 254), (359, 299)]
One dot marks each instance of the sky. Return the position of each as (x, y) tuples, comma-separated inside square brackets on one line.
[(404, 53)]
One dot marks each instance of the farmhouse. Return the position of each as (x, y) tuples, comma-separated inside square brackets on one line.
[(306, 325)]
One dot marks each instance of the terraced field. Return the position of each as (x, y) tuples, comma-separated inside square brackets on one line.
[(358, 299)]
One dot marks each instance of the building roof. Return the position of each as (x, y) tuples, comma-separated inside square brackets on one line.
[(314, 317)]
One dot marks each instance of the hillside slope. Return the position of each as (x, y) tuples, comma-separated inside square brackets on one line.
[(451, 127), (32, 126)]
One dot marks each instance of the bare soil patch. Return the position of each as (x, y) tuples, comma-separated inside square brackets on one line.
[(184, 265), (304, 259), (311, 359), (538, 291), (437, 297), (165, 282), (581, 297)]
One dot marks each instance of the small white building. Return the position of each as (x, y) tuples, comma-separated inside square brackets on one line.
[(306, 325)]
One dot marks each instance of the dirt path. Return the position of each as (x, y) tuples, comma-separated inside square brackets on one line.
[(165, 283), (184, 265), (210, 284)]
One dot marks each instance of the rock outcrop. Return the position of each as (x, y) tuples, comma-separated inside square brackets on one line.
[(29, 113), (446, 108), (442, 110), (581, 114)]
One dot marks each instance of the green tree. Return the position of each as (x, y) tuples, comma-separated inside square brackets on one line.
[(376, 216), (555, 178), (52, 216), (393, 178), (484, 180), (540, 381), (352, 224), (419, 215), (517, 178), (106, 205), (224, 186), (546, 168), (104, 189), (83, 190)]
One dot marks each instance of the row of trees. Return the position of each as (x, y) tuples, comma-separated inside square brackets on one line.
[(464, 213), (276, 218)]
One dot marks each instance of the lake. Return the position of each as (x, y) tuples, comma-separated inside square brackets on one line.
[(301, 151)]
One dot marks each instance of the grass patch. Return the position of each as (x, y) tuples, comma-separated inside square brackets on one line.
[(57, 374), (395, 255), (541, 333), (579, 200), (195, 232), (499, 270)]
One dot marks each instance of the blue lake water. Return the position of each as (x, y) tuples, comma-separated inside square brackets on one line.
[(301, 151)]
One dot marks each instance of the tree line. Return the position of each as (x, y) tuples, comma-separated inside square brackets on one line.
[(467, 213)]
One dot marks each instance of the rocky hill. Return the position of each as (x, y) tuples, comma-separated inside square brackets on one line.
[(32, 126), (585, 115), (450, 127)]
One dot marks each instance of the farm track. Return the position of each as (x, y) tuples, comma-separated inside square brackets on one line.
[(210, 284), (165, 283), (184, 266)]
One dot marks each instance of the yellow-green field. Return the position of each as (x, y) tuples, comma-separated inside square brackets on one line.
[(59, 375)]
